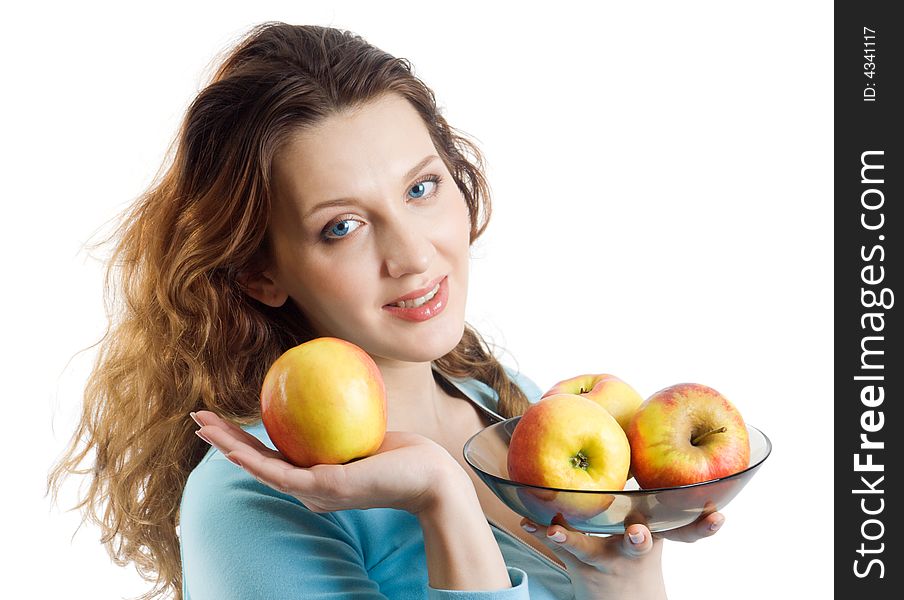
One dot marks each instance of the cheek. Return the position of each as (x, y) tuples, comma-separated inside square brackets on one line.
[(458, 242), (334, 285), (460, 220)]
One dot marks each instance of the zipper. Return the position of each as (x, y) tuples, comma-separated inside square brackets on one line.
[(528, 546)]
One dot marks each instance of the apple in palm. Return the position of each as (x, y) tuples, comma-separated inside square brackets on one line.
[(610, 392), (686, 433), (324, 402), (569, 442)]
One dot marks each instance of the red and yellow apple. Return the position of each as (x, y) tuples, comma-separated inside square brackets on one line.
[(569, 442), (610, 392), (323, 402), (686, 433)]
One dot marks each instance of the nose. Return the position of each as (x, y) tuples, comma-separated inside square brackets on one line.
[(407, 248)]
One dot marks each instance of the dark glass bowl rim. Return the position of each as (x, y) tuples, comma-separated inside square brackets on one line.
[(626, 492)]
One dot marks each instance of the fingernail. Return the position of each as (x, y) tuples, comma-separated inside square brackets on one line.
[(636, 538), (201, 435), (557, 537), (715, 526), (195, 419), (529, 528)]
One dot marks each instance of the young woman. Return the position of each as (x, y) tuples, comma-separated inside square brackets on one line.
[(315, 190)]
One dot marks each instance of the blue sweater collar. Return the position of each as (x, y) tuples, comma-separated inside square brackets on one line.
[(482, 395)]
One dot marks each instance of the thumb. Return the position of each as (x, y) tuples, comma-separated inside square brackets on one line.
[(637, 541)]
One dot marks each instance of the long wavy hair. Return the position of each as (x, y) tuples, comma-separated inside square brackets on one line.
[(183, 336)]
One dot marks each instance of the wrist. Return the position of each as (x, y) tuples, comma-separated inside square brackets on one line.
[(450, 492), (462, 553), (637, 578)]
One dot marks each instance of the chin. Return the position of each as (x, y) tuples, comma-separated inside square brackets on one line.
[(433, 338), (436, 345), (418, 346)]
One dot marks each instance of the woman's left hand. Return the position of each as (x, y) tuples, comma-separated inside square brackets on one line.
[(618, 566)]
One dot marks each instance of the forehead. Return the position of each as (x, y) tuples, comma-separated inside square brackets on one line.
[(352, 153)]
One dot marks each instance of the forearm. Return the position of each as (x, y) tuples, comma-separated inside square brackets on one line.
[(462, 553)]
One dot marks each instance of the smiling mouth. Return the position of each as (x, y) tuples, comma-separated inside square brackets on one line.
[(418, 301), (424, 308)]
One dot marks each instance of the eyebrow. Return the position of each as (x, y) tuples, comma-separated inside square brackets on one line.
[(339, 201)]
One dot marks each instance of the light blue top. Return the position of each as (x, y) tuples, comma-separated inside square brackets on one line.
[(242, 540)]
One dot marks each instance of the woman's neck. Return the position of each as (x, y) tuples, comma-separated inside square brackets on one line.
[(415, 401)]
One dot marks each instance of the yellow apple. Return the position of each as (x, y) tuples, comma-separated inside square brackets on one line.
[(610, 392), (686, 433), (323, 402), (569, 442)]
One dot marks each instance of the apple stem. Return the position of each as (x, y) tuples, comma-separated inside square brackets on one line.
[(579, 461), (702, 436)]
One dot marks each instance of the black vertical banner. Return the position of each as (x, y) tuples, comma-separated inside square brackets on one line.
[(869, 369)]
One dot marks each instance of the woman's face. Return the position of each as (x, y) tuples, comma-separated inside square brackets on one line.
[(402, 225)]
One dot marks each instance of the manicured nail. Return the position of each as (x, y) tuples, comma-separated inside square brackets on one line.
[(636, 538), (195, 419), (715, 526), (529, 528), (201, 435), (557, 537)]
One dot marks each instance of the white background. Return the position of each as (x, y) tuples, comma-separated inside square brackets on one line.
[(662, 211)]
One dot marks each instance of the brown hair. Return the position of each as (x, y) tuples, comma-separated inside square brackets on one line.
[(185, 337)]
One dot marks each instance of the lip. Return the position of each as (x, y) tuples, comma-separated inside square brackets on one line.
[(426, 311), (417, 293)]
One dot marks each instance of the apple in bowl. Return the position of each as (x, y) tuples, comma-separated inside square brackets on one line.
[(686, 433), (324, 402), (568, 442), (610, 392)]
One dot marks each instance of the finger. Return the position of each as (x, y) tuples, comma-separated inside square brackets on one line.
[(703, 527), (306, 485), (206, 417), (637, 541), (274, 472), (566, 542), (226, 437), (226, 442)]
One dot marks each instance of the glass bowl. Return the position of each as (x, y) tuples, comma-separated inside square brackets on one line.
[(605, 512)]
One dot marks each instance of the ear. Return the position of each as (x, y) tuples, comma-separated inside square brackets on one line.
[(263, 288)]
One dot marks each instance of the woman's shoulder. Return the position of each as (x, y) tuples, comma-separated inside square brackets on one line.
[(216, 484), (217, 489), (241, 539), (485, 396), (225, 473), (221, 491), (527, 385)]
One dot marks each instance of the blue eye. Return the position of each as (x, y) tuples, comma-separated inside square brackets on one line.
[(418, 188), (342, 228)]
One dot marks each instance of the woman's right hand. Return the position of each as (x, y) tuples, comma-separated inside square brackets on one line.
[(408, 471)]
